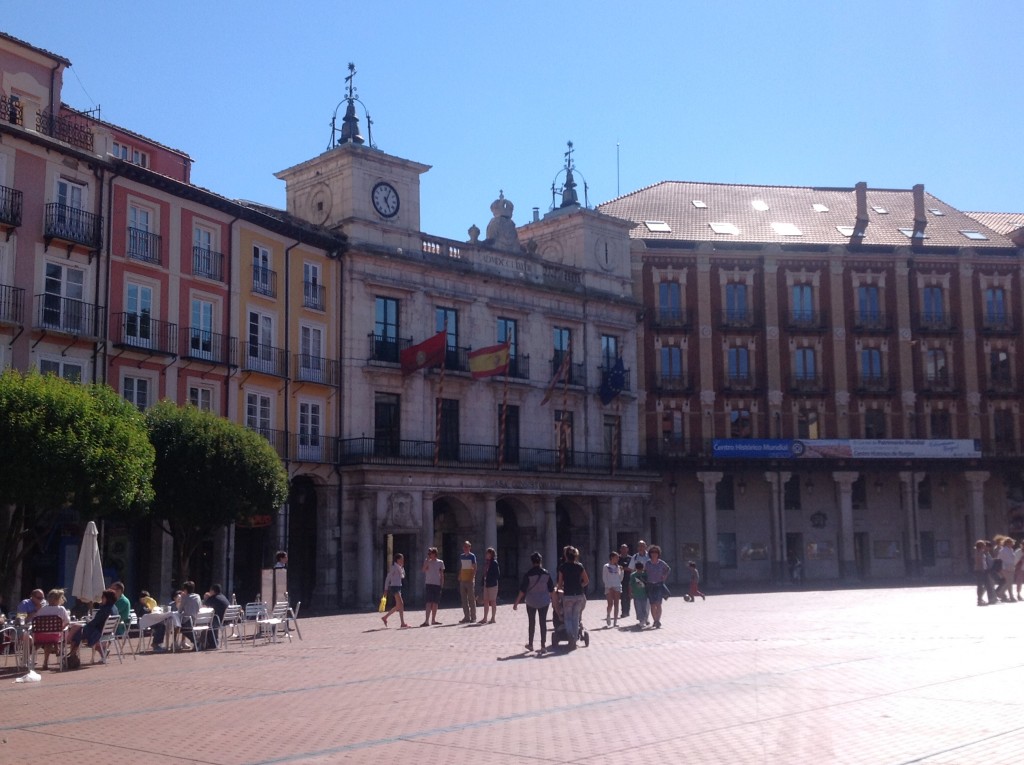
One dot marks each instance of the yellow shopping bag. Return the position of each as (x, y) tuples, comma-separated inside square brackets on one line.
[(383, 605)]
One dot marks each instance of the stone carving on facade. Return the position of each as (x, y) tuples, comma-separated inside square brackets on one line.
[(629, 513), (399, 514), (501, 231)]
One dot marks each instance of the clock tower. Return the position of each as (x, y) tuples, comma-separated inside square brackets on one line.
[(355, 186)]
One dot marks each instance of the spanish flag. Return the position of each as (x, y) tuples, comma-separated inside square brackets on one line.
[(489, 361)]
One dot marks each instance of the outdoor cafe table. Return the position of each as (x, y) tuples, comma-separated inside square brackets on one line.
[(146, 621)]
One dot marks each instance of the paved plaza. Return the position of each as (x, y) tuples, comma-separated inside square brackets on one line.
[(882, 677)]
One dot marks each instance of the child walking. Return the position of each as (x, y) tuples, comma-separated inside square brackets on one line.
[(611, 577), (694, 583), (638, 588)]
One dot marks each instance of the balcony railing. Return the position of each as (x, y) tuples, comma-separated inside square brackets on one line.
[(519, 366), (997, 323), (577, 374), (806, 321), (142, 332), (456, 359), (12, 110), (1001, 383), (309, 447), (313, 295), (143, 245), (738, 318), (316, 369), (202, 345), (12, 304), (208, 264), (72, 130), (806, 383), (939, 381), (673, 318), (356, 451), (257, 357), (71, 224), (603, 371), (264, 282), (871, 321), (277, 438), (387, 349), (873, 383), (935, 321), (10, 206), (744, 382), (672, 383), (64, 315)]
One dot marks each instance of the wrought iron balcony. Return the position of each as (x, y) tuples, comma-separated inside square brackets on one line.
[(12, 304), (65, 315), (72, 130), (202, 345), (313, 295), (604, 371), (316, 369), (70, 224), (806, 321), (739, 318), (873, 383), (673, 318), (264, 282), (277, 438), (939, 381), (739, 382), (576, 373), (519, 366), (10, 206), (671, 383), (456, 359), (387, 349), (208, 264), (871, 321), (804, 384), (257, 357), (1001, 383), (935, 321), (309, 447), (142, 332), (143, 245), (12, 110), (997, 323)]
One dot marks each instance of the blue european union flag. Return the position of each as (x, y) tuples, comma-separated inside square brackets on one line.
[(613, 383)]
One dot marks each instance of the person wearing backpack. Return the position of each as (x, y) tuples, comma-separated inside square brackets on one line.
[(535, 589)]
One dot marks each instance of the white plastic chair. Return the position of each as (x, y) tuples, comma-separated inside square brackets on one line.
[(268, 624), (109, 637), (232, 619)]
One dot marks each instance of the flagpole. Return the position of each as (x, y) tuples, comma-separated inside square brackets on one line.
[(616, 435), (562, 435), (504, 419), (440, 400)]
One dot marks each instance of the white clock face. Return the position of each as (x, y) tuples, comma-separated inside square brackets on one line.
[(385, 200)]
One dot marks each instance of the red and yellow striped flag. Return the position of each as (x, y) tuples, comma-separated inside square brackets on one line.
[(489, 361)]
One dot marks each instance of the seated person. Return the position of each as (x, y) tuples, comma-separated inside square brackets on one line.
[(216, 600), (90, 633), (123, 607), (145, 604), (31, 604), (54, 607), (189, 605)]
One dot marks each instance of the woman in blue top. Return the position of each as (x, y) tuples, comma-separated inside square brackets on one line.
[(491, 575)]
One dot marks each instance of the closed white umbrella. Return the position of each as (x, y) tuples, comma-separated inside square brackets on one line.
[(89, 584)]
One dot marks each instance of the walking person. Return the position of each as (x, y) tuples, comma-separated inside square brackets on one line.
[(393, 587), (572, 581), (638, 586), (624, 566), (694, 582), (982, 575), (433, 578), (467, 583), (1009, 565), (611, 578), (536, 589), (657, 587), (492, 573)]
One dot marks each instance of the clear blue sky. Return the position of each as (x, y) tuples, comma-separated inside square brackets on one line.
[(796, 92)]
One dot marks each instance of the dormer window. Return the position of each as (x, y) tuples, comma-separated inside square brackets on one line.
[(129, 154)]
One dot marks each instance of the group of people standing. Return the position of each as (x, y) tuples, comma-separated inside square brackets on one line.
[(998, 570)]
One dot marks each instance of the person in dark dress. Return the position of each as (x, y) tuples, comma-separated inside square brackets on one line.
[(218, 601), (90, 632)]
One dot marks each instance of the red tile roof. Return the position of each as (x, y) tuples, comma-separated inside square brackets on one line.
[(1004, 223)]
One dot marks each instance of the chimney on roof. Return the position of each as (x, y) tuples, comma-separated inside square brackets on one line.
[(920, 221), (860, 227)]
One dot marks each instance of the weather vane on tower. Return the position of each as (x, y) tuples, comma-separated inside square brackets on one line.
[(349, 131)]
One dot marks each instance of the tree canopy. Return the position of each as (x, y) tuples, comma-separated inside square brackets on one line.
[(63, 444), (209, 472)]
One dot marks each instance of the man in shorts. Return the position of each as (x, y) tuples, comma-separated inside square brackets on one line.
[(467, 583), (433, 576)]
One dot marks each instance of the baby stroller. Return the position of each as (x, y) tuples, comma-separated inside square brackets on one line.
[(558, 632)]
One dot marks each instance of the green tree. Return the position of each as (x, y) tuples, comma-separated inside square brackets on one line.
[(65, 444), (209, 472)]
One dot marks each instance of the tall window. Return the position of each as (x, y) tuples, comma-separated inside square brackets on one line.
[(136, 390), (934, 308), (807, 425), (670, 302), (64, 288), (727, 550), (66, 369), (874, 423), (791, 493), (1003, 431), (262, 282), (941, 423), (739, 364), (257, 413), (140, 244), (138, 314), (201, 330), (260, 345), (309, 431), (511, 414), (201, 397), (671, 367), (935, 366), (871, 365), (999, 368), (311, 363), (70, 194), (386, 424), (995, 307), (869, 304), (385, 329), (312, 289), (736, 301), (449, 446), (564, 436), (740, 424), (508, 332), (609, 350), (561, 338), (204, 262), (448, 319), (612, 432), (803, 303), (804, 364)]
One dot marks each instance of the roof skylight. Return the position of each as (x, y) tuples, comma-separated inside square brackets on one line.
[(760, 205), (879, 209), (845, 230), (936, 211), (787, 229), (819, 207), (699, 204), (977, 235), (724, 228), (909, 233), (658, 226)]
